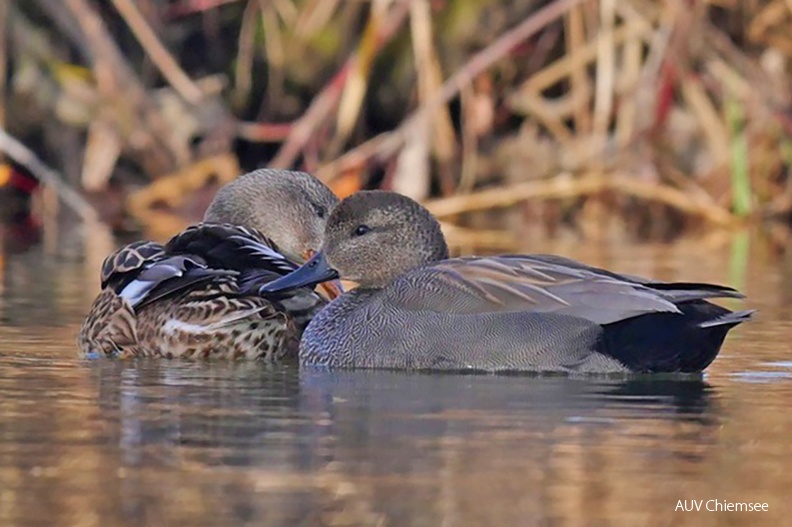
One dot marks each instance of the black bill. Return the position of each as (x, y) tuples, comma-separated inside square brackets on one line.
[(314, 271)]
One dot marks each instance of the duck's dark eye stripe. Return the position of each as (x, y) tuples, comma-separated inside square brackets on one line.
[(360, 230)]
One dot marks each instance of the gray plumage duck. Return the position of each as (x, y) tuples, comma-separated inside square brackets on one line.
[(186, 299), (417, 309)]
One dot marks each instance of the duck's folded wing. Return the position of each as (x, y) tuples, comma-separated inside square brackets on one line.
[(173, 275), (252, 255), (675, 291), (254, 259), (143, 272), (537, 284), (226, 246)]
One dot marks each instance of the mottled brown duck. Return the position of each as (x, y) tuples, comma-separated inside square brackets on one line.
[(417, 309), (186, 299)]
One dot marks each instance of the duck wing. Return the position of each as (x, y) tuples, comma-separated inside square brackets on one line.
[(144, 272), (226, 246), (254, 260), (676, 291), (136, 271), (541, 283)]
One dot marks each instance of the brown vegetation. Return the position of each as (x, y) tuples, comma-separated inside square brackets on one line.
[(673, 113)]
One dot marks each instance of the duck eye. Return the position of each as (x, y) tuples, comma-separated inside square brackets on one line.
[(360, 230), (320, 211)]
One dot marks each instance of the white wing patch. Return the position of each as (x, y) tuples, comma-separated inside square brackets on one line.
[(180, 326), (137, 290)]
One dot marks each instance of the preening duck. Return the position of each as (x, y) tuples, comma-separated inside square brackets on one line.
[(187, 298)]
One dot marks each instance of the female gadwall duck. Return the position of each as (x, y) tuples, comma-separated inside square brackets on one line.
[(185, 299), (417, 309)]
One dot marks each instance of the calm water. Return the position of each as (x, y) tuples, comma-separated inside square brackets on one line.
[(154, 442)]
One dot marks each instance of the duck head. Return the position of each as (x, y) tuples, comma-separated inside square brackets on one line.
[(288, 207), (371, 238)]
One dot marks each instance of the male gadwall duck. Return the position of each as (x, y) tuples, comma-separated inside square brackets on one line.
[(417, 309), (185, 299)]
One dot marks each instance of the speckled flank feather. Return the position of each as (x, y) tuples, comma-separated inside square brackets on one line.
[(110, 326), (229, 328), (208, 322)]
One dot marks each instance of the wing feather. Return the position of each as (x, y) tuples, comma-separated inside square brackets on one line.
[(539, 284), (145, 272)]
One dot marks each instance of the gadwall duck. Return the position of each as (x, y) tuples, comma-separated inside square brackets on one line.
[(185, 299), (417, 309)]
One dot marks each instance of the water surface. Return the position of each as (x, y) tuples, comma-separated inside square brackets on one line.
[(152, 442)]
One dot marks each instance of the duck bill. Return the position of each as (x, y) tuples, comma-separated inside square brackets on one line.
[(314, 271), (331, 289)]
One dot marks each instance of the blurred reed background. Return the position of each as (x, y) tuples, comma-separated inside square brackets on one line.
[(652, 119)]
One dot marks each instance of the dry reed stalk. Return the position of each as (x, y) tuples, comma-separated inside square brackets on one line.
[(357, 79), (686, 183), (157, 52), (430, 79), (243, 80), (565, 186), (477, 64), (274, 48), (313, 17), (766, 18), (628, 109), (134, 113), (551, 114), (287, 11), (410, 175), (647, 92), (352, 160), (324, 103), (190, 7), (263, 132), (580, 58), (606, 65), (468, 168), (4, 26), (102, 149), (708, 117), (303, 128), (47, 176), (579, 78), (779, 42), (738, 85), (759, 88), (387, 144), (632, 64)]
